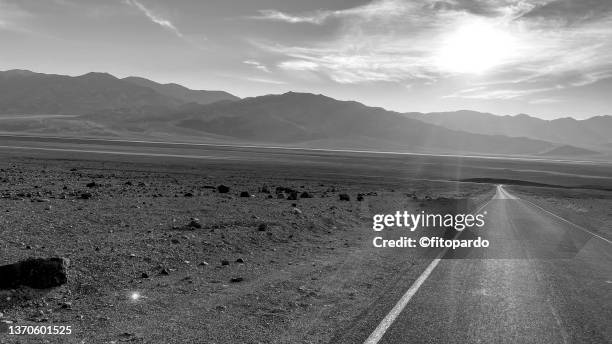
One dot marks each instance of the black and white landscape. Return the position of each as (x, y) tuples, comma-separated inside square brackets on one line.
[(209, 172)]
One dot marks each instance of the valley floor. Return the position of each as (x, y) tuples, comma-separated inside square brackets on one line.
[(159, 255)]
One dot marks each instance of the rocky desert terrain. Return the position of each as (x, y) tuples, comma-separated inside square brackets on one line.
[(166, 251)]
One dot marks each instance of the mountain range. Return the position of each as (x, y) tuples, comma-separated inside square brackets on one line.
[(99, 104), (593, 132)]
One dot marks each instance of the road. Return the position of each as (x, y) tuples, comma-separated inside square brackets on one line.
[(542, 280)]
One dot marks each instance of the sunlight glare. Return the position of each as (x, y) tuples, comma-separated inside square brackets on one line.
[(474, 48)]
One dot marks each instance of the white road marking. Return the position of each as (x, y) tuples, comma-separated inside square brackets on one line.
[(388, 320), (503, 194), (567, 221)]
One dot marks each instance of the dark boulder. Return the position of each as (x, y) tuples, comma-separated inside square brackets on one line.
[(344, 197), (245, 194), (305, 195), (223, 189), (37, 273), (194, 223)]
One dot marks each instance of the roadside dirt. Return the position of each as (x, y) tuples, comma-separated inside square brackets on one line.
[(260, 269), (587, 208)]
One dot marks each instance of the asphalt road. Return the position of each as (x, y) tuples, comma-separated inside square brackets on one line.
[(542, 280)]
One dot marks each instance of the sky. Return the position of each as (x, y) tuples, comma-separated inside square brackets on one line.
[(546, 58)]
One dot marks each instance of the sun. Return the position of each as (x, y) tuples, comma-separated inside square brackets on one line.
[(474, 48)]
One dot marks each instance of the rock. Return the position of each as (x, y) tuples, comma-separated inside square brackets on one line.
[(265, 189), (240, 261), (236, 279), (144, 275), (129, 183), (305, 195), (344, 197), (280, 196), (66, 305), (164, 272), (245, 194), (223, 189), (286, 190), (37, 273), (359, 197), (85, 195), (296, 211), (292, 196), (225, 262), (194, 223), (174, 241), (91, 185), (262, 227), (188, 194), (203, 263)]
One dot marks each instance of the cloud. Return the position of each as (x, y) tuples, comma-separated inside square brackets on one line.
[(265, 81), (402, 42), (499, 94), (571, 11), (257, 65), (300, 65), (165, 23), (274, 15), (12, 17), (371, 11)]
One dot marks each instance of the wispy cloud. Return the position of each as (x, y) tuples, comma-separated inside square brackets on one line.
[(265, 81), (299, 65), (402, 41), (257, 65), (373, 10), (274, 15), (155, 18), (499, 94)]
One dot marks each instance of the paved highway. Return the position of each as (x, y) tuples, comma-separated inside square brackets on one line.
[(542, 280)]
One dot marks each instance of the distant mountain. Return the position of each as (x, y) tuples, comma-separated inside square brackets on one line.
[(103, 105), (25, 92), (319, 121), (183, 93), (592, 132), (569, 151)]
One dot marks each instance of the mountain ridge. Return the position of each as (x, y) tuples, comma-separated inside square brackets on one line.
[(181, 92), (102, 103), (589, 133)]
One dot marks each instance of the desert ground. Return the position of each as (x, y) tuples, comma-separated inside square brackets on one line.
[(159, 255)]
